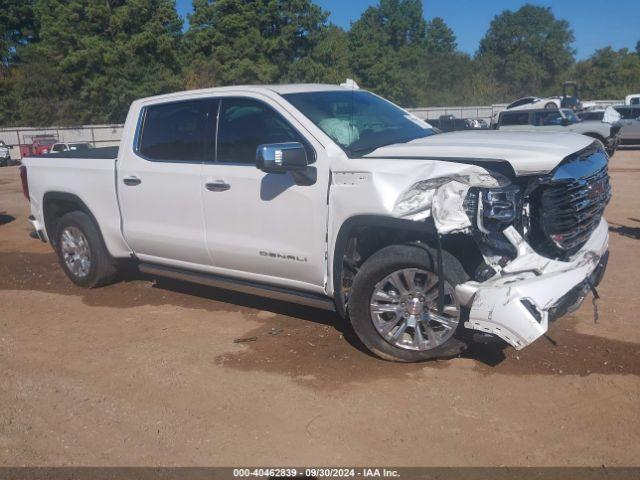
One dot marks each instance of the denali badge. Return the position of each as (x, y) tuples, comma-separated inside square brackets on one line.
[(282, 256)]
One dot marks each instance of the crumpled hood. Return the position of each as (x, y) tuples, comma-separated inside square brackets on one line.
[(528, 153)]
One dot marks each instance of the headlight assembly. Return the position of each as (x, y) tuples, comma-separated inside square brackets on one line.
[(500, 203), (444, 199)]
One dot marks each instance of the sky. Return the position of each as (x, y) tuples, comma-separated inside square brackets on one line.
[(595, 23)]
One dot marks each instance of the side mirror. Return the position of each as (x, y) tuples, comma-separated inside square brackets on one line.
[(281, 157), (564, 122)]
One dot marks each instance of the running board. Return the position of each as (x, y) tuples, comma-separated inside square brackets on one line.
[(244, 286)]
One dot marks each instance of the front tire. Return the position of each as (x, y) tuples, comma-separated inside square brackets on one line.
[(551, 106), (393, 305), (82, 253)]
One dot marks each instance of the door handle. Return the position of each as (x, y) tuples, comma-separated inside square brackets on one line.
[(131, 181), (217, 186)]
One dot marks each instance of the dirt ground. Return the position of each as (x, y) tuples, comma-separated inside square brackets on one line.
[(146, 372)]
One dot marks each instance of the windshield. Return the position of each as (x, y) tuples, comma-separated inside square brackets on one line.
[(359, 121)]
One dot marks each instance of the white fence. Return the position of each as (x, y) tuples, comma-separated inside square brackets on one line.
[(109, 135)]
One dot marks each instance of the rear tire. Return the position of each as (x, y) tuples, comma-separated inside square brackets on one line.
[(407, 329), (81, 251), (551, 106)]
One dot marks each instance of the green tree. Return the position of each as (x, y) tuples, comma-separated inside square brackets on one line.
[(328, 60), (257, 41), (17, 27), (440, 39), (527, 51), (386, 46), (609, 74), (94, 57), (638, 47)]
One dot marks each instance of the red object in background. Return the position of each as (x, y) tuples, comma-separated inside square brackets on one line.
[(40, 145)]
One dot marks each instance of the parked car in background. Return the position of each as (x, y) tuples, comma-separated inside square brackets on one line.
[(569, 99), (69, 147), (630, 133), (607, 115), (525, 103), (562, 120), (5, 154), (633, 99), (40, 145), (336, 198), (530, 103), (449, 123)]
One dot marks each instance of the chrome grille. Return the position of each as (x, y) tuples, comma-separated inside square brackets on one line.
[(572, 204)]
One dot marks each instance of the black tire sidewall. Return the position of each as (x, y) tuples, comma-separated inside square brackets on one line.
[(378, 266)]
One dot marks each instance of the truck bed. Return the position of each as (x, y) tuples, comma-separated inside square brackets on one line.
[(87, 176), (102, 152)]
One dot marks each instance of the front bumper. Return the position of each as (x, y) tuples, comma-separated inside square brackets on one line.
[(518, 303)]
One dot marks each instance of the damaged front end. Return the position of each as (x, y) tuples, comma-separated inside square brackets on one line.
[(542, 238)]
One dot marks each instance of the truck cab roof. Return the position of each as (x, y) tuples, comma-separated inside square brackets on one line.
[(282, 89)]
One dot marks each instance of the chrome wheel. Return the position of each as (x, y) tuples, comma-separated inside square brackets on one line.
[(404, 310), (75, 251)]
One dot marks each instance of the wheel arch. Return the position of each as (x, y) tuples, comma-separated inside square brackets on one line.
[(392, 230), (380, 231), (56, 204)]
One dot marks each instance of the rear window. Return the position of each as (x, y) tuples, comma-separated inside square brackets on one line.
[(519, 118), (591, 115), (547, 118), (178, 132), (626, 112), (81, 147)]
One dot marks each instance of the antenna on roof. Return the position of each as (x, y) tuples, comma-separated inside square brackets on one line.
[(350, 83)]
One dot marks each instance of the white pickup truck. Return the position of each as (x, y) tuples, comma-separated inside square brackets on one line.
[(335, 198)]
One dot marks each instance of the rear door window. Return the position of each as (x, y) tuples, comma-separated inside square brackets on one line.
[(178, 131)]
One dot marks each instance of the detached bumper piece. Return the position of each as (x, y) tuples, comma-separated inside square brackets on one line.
[(518, 303)]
